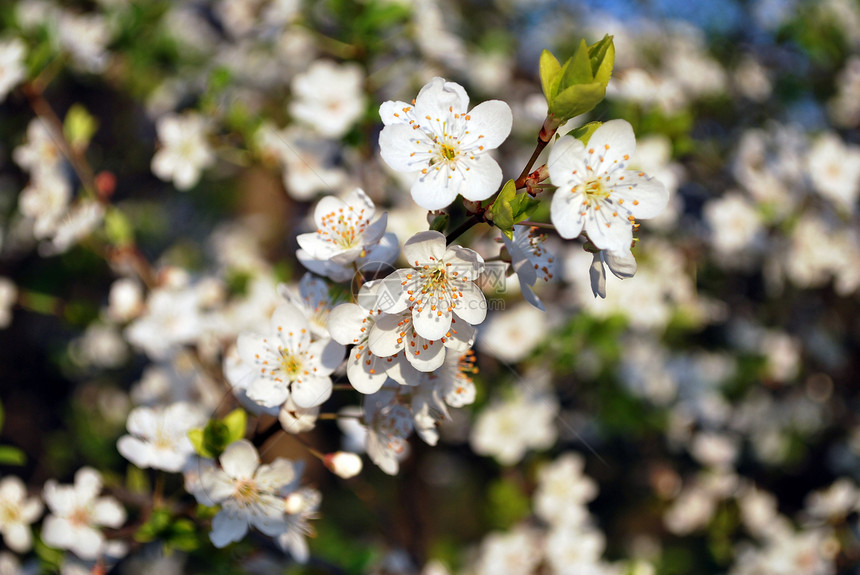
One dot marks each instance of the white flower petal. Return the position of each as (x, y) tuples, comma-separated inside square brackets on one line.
[(565, 213), (461, 336), (327, 354), (424, 248), (88, 483), (608, 234), (403, 148), (276, 474), (227, 528), (436, 190), (12, 489), (326, 206), (345, 323), (598, 276), (311, 390), (482, 177), (492, 120), (620, 262), (385, 333), (373, 232), (613, 144), (471, 305), (18, 537), (240, 460), (566, 164), (267, 392), (438, 98), (366, 377), (391, 112), (425, 355), (86, 542), (431, 320), (468, 264), (403, 372), (135, 450), (108, 512), (644, 197)]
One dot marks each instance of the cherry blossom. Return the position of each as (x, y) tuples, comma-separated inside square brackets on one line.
[(287, 363), (439, 284), (444, 144), (248, 493), (596, 193), (77, 513), (17, 512), (159, 436)]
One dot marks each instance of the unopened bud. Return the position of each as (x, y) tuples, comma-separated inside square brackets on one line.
[(472, 207), (343, 464), (294, 503)]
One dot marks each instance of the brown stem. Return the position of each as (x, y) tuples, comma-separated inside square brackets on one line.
[(521, 181), (471, 221)]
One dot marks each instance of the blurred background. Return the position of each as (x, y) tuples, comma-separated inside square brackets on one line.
[(711, 399)]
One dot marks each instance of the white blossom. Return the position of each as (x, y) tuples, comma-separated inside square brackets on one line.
[(328, 97), (12, 71), (159, 436), (389, 424), (346, 230), (77, 513), (596, 192), (444, 144), (507, 429), (287, 362), (17, 513), (185, 150), (439, 285), (530, 260), (248, 493)]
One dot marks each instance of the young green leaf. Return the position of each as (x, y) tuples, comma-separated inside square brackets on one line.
[(550, 74), (235, 421)]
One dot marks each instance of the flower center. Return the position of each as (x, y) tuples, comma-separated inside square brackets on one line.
[(9, 514), (291, 364), (162, 440), (246, 491), (448, 152), (594, 190), (80, 516), (343, 227)]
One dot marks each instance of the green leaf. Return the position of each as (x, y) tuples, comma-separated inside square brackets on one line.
[(79, 127), (11, 456), (136, 480), (602, 56), (510, 208), (507, 504), (550, 74), (524, 206), (583, 133), (440, 223), (118, 228), (213, 439), (577, 100), (235, 422), (577, 70), (198, 441), (502, 211), (179, 533)]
